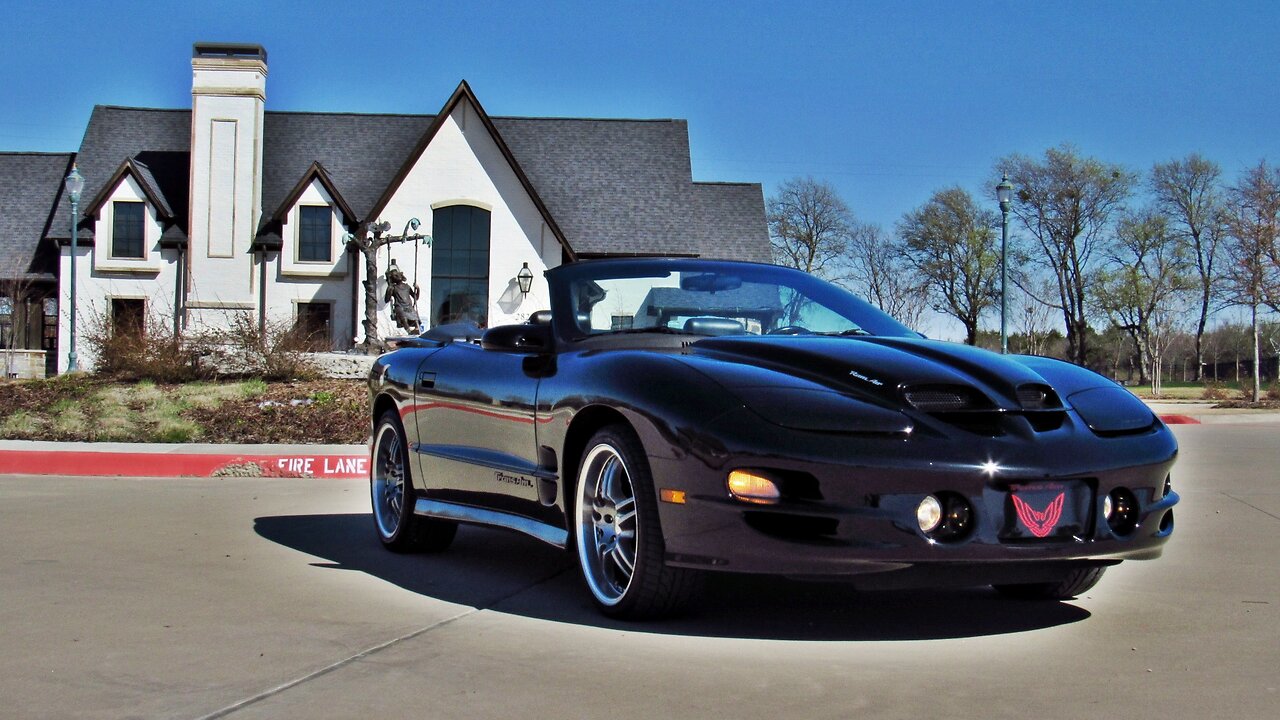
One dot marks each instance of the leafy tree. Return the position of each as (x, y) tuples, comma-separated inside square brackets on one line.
[(1147, 269), (1187, 190), (878, 272), (809, 226), (1254, 258), (1065, 203), (951, 243)]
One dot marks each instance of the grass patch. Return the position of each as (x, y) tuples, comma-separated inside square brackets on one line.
[(253, 388), (71, 423), (114, 418), (21, 424), (209, 395)]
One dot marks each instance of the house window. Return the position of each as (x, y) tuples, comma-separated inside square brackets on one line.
[(315, 233), (128, 316), (127, 229), (313, 324), (460, 265), (7, 339)]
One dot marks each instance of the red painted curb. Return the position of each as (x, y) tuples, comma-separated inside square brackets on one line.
[(106, 464), (1179, 420)]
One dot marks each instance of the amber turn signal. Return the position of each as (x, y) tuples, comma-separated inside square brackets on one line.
[(753, 488), (672, 496)]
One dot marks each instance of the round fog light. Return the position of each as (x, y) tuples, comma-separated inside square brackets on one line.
[(929, 514)]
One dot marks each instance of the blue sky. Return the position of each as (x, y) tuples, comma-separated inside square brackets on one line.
[(889, 101)]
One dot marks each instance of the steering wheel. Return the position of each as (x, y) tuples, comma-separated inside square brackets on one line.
[(790, 330)]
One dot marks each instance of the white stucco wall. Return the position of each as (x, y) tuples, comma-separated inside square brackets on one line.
[(228, 102), (463, 166), (99, 279)]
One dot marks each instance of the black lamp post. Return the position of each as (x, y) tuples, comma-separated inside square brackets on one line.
[(75, 186), (1004, 193)]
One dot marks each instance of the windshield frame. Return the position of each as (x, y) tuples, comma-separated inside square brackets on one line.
[(561, 280)]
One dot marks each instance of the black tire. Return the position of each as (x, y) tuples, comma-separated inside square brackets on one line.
[(392, 495), (615, 524), (1073, 583)]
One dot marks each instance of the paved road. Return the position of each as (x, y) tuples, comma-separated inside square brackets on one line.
[(270, 598)]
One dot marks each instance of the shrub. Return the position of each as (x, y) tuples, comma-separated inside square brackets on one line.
[(147, 351), (151, 351), (273, 352), (1214, 391)]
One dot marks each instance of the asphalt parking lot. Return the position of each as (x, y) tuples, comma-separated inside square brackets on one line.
[(249, 598)]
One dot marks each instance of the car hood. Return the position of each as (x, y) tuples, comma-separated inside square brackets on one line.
[(872, 367)]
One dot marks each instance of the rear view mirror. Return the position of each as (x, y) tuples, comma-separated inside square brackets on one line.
[(710, 282)]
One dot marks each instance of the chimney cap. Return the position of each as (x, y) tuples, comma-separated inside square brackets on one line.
[(238, 51)]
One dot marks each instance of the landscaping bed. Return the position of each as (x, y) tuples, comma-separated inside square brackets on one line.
[(87, 408)]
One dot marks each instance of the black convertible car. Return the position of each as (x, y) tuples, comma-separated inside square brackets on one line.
[(672, 416)]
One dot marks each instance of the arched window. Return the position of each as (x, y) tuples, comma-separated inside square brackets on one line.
[(460, 265)]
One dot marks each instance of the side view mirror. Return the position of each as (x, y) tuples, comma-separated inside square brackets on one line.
[(527, 338)]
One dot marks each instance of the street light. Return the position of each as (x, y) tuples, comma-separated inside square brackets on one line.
[(1004, 193), (75, 185)]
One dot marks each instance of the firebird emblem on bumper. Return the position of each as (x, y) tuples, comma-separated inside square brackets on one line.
[(1039, 522)]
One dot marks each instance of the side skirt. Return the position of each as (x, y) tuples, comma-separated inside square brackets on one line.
[(468, 514)]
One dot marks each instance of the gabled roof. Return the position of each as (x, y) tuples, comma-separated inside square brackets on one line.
[(145, 179), (272, 225), (463, 92), (31, 187), (608, 186), (158, 139)]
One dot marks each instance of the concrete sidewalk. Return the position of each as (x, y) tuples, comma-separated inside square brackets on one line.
[(337, 461)]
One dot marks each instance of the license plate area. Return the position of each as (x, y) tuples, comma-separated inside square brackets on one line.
[(1047, 511)]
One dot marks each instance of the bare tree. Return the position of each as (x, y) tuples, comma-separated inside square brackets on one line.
[(1187, 190), (951, 243), (1147, 268), (1065, 203), (1251, 249), (809, 226), (1032, 319), (878, 272)]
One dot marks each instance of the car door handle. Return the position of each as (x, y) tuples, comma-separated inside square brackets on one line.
[(426, 380)]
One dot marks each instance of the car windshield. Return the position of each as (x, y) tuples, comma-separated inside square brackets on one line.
[(713, 298)]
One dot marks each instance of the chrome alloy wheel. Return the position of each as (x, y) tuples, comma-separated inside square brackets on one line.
[(607, 531), (387, 482)]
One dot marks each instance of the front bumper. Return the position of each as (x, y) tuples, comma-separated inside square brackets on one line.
[(858, 518)]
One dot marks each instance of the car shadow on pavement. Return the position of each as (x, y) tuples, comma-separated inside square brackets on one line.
[(506, 572)]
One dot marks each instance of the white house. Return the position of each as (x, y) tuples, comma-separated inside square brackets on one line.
[(196, 215)]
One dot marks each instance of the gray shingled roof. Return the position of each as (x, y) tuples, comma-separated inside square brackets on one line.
[(613, 186), (30, 187), (160, 139), (732, 221)]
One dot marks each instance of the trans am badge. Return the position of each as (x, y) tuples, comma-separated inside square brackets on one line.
[(1039, 522)]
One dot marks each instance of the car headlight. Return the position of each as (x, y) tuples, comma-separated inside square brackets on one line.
[(1111, 410)]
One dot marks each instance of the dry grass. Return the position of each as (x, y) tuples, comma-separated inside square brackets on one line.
[(93, 408)]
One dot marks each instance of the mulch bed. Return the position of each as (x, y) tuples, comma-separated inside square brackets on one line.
[(287, 413), (309, 412)]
